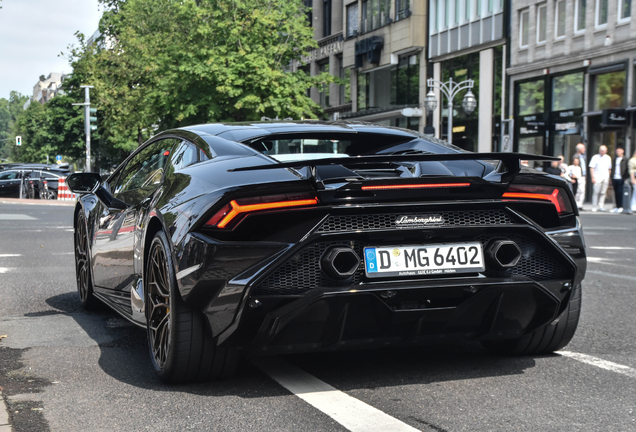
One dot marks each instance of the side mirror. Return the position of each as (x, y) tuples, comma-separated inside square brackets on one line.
[(83, 183)]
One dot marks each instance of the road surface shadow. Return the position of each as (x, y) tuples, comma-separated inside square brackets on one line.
[(125, 357)]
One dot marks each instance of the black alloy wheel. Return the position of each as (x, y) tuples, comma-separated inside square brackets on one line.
[(83, 265), (180, 340)]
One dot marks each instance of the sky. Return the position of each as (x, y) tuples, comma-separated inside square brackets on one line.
[(33, 33)]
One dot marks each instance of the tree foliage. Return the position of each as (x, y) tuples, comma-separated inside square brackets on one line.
[(10, 109)]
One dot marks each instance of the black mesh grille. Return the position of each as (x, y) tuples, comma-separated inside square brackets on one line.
[(370, 222), (301, 272)]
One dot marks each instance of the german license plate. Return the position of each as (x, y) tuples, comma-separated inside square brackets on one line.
[(438, 259)]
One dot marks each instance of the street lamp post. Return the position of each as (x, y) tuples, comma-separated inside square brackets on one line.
[(87, 124), (450, 90)]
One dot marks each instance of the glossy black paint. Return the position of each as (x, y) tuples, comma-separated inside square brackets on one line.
[(218, 270)]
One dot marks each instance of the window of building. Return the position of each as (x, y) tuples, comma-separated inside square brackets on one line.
[(326, 18), (324, 91), (608, 90), (456, 14), (345, 89), (524, 32), (624, 10), (490, 2), (542, 23), (567, 91), (532, 97), (405, 81), (309, 4), (434, 15), (581, 9), (402, 9), (477, 8), (363, 91), (375, 14), (559, 26), (352, 20), (467, 10), (601, 12)]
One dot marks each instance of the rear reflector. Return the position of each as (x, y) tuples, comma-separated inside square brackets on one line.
[(416, 186), (241, 207), (555, 195)]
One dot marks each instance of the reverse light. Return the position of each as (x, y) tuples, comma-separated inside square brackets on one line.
[(241, 207), (555, 195), (416, 186)]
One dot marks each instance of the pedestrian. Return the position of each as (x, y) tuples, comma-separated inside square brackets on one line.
[(576, 174), (632, 176), (554, 168), (582, 182), (600, 169), (619, 174)]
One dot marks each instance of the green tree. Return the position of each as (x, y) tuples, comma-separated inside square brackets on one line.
[(10, 109)]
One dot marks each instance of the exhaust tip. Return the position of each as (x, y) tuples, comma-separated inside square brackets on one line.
[(503, 254), (339, 262)]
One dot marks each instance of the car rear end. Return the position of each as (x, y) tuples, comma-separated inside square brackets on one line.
[(292, 267)]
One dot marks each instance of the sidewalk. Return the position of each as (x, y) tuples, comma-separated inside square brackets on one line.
[(36, 202), (4, 417)]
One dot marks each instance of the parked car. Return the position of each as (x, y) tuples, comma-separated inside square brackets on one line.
[(34, 182), (287, 237)]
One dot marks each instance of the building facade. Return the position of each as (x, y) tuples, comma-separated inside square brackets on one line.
[(46, 89), (467, 40), (378, 48), (572, 69)]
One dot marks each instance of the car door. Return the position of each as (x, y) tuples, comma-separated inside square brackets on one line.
[(116, 233), (10, 184)]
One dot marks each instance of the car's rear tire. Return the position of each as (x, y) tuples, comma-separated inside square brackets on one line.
[(83, 265), (547, 339), (51, 195), (181, 344)]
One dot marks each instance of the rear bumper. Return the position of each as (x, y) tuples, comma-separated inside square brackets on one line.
[(273, 297)]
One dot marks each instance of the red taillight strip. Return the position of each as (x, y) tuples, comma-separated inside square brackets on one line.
[(238, 209), (416, 186), (553, 198)]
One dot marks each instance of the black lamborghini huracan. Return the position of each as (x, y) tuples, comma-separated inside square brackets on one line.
[(281, 237)]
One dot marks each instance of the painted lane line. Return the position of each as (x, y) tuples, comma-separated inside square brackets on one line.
[(16, 217), (10, 255), (603, 364), (604, 261), (4, 270), (350, 412), (602, 273), (612, 247)]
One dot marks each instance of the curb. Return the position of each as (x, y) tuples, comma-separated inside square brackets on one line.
[(4, 417), (36, 202)]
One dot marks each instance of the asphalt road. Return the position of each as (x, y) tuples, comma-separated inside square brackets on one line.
[(63, 369)]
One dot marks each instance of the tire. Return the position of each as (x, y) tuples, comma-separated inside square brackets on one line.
[(83, 265), (547, 339), (180, 341), (52, 195)]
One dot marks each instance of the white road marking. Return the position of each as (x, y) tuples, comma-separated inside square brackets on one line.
[(4, 269), (603, 364), (9, 255), (13, 216), (612, 247), (605, 261), (350, 412), (602, 273), (62, 253)]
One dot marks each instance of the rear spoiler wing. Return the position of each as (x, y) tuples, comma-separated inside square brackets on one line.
[(512, 161)]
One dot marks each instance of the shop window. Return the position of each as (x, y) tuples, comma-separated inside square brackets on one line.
[(345, 89), (602, 7), (324, 91), (309, 4), (524, 33), (624, 10), (580, 12), (363, 91), (352, 20), (542, 23), (608, 90), (531, 97), (375, 14), (326, 18), (559, 26), (405, 81), (567, 92), (402, 9)]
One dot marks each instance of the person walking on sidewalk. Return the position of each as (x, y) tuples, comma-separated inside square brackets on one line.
[(576, 174), (620, 173), (600, 169), (632, 177), (581, 182)]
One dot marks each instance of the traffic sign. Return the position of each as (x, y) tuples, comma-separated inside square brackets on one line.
[(58, 159)]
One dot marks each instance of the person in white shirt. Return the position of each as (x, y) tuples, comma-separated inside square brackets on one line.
[(576, 174), (600, 169)]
